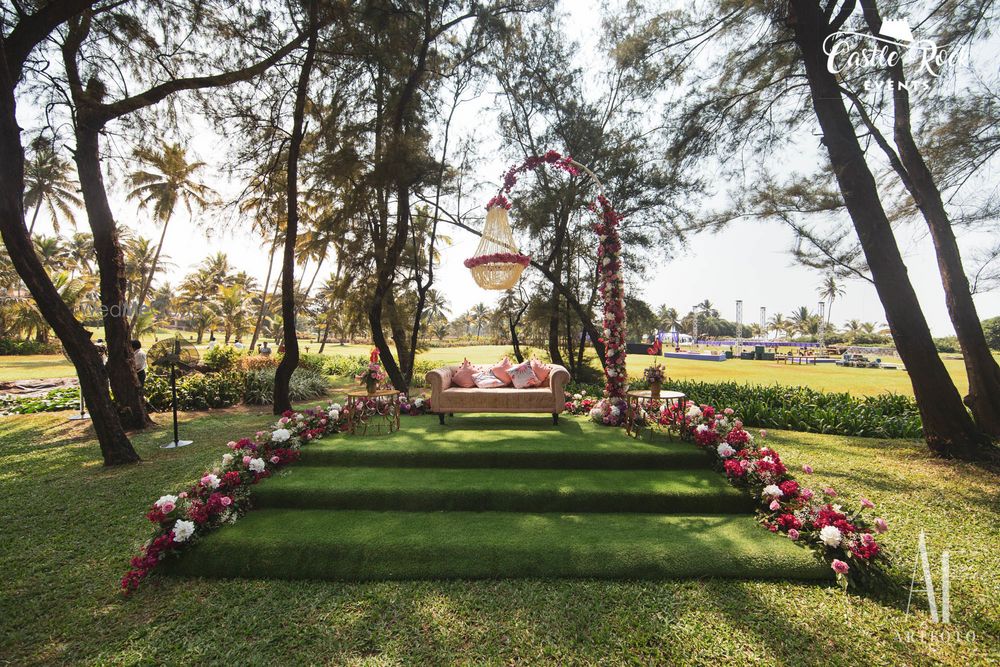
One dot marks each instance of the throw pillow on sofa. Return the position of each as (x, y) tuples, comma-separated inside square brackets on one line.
[(523, 377), (487, 380), (465, 376), (541, 370), (502, 370)]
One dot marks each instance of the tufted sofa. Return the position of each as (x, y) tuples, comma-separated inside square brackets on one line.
[(447, 398)]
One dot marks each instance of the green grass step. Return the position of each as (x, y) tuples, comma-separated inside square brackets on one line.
[(363, 546), (504, 442), (502, 489)]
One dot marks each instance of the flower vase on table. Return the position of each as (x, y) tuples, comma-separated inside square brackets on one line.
[(373, 374), (654, 376)]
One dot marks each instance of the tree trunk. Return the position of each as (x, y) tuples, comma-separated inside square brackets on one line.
[(326, 332), (114, 443), (980, 365), (111, 262), (948, 428), (290, 359)]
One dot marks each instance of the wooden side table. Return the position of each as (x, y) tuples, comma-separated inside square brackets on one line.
[(635, 399), (377, 412)]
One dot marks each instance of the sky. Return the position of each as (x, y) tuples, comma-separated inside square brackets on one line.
[(751, 262)]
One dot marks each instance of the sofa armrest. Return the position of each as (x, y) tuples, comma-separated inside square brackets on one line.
[(439, 379), (558, 379)]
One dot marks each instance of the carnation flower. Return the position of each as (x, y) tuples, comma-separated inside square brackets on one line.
[(226, 501), (702, 428), (839, 566), (256, 465), (830, 536), (793, 534), (227, 459), (773, 490), (281, 435), (729, 412), (830, 491), (867, 503), (763, 433), (694, 412), (246, 460), (577, 397), (807, 493), (334, 406), (807, 469), (183, 530), (881, 526), (275, 459), (166, 504), (725, 451), (775, 506), (334, 415), (211, 481)]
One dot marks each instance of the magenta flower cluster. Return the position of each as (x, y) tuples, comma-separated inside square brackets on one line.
[(498, 258)]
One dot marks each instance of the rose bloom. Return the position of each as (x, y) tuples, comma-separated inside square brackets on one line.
[(775, 506), (830, 536), (867, 503), (793, 534), (881, 526), (839, 566), (807, 469), (830, 491)]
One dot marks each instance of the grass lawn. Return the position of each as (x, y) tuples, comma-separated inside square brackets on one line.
[(858, 381), (70, 525)]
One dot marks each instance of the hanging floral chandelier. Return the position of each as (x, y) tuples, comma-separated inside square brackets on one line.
[(497, 264)]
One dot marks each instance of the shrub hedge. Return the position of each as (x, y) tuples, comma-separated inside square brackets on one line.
[(11, 347), (800, 408)]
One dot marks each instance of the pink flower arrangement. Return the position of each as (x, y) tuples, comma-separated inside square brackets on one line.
[(221, 495), (498, 258)]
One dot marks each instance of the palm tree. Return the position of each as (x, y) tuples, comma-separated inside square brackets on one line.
[(47, 181), (668, 317), (707, 309), (800, 320), (779, 324), (217, 267), (477, 316), (232, 307), (435, 306), (830, 290), (52, 252), (170, 180), (81, 250)]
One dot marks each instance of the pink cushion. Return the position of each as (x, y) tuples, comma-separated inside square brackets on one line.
[(502, 370), (465, 375), (523, 377), (541, 370), (487, 380)]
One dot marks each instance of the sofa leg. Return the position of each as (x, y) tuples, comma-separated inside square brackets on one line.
[(555, 419), (441, 418)]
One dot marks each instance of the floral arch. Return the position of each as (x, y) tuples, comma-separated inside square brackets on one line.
[(497, 261)]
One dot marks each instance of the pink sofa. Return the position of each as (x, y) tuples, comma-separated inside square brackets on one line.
[(447, 398)]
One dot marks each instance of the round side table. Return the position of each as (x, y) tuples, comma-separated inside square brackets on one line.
[(376, 413), (635, 399)]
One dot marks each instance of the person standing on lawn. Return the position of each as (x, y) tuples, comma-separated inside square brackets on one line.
[(140, 362)]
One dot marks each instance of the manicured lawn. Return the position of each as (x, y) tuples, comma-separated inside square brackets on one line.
[(858, 381), (69, 526)]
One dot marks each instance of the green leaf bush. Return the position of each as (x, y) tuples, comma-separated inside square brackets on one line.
[(222, 358), (197, 392), (12, 347), (63, 398), (799, 408), (304, 385)]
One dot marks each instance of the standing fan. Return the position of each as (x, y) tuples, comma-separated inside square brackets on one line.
[(82, 414), (179, 356)]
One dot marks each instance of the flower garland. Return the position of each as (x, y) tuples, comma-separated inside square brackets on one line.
[(844, 538), (222, 495), (612, 290), (612, 287), (498, 258)]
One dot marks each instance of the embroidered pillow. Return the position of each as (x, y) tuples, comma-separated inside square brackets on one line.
[(465, 375), (487, 380), (502, 370), (523, 376), (541, 370)]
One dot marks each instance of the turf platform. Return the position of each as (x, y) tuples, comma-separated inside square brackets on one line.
[(503, 490), (364, 545), (496, 497)]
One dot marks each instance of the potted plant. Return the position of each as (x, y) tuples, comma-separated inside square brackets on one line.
[(373, 374), (654, 376)]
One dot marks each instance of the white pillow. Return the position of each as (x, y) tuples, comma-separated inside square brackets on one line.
[(487, 380)]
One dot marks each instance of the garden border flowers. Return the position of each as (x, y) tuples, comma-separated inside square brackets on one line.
[(222, 495), (841, 536)]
